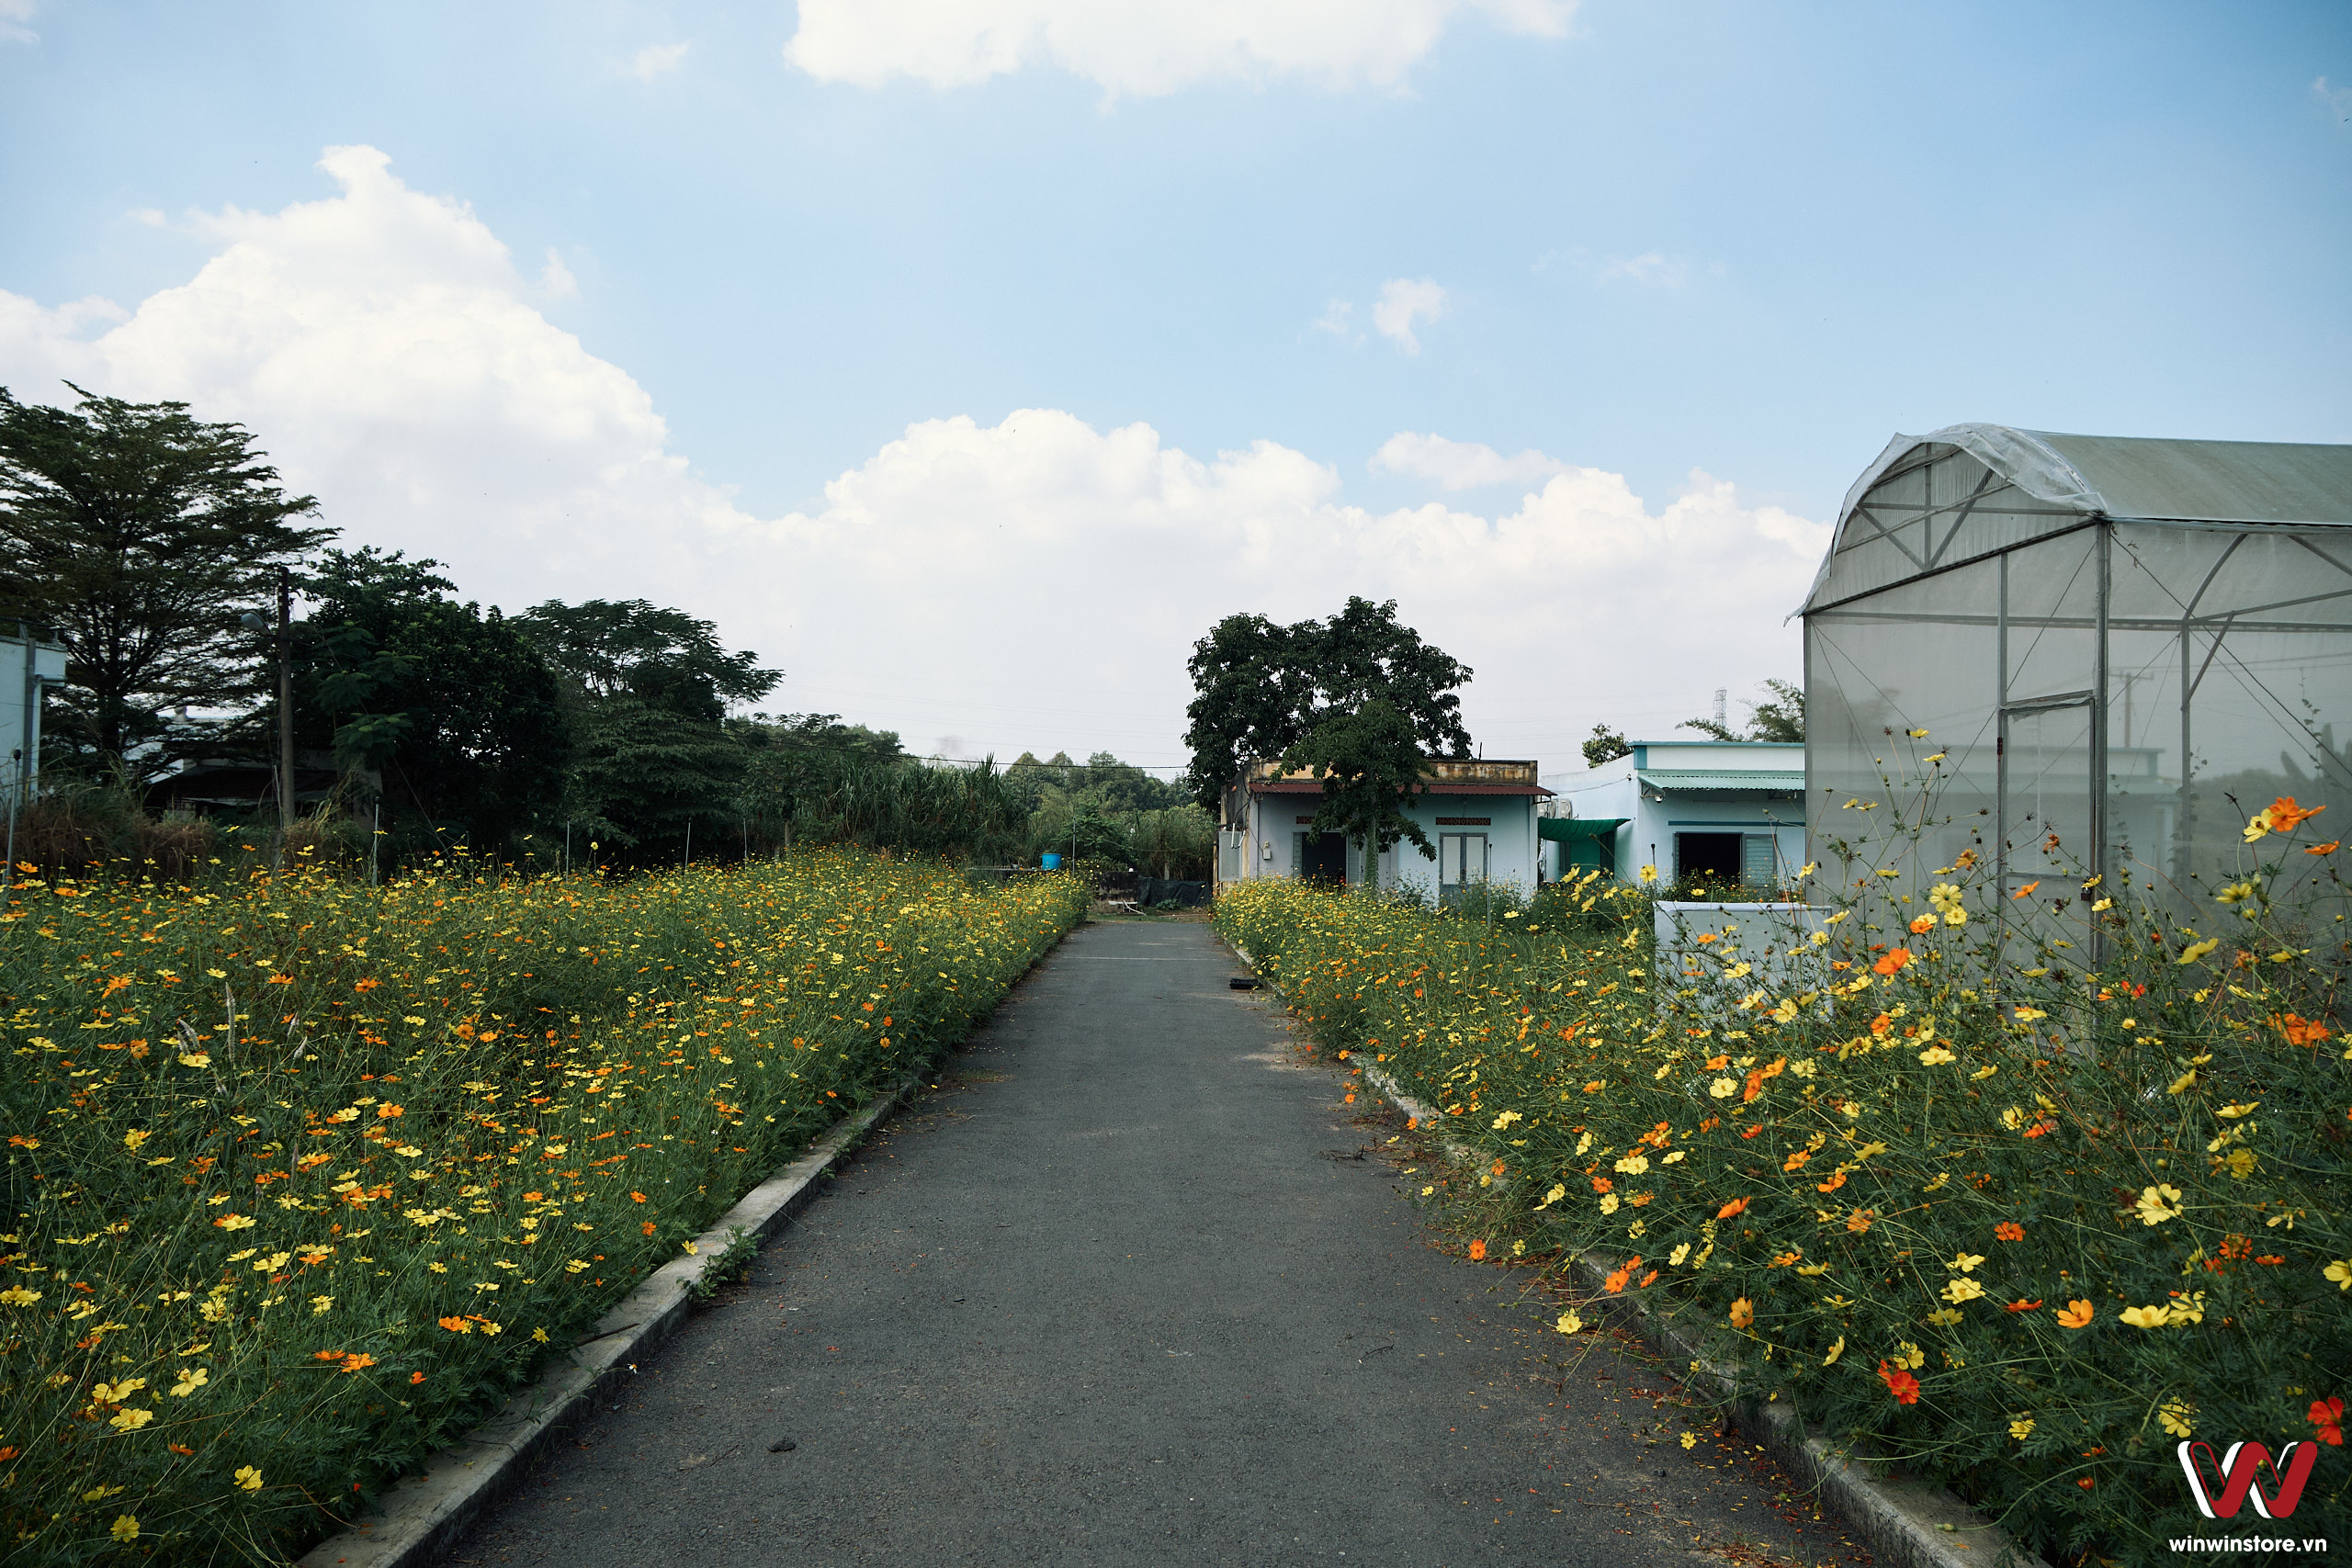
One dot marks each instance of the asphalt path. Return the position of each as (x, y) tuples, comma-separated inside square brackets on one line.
[(1136, 1285)]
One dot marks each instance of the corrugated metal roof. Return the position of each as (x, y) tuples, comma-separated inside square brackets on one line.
[(1433, 787), (1758, 781)]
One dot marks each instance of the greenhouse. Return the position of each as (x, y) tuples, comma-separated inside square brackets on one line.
[(2118, 649)]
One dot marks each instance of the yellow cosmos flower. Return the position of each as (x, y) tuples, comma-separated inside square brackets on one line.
[(248, 1478), (191, 1379), (130, 1420), (2147, 1317), (1959, 1290), (2174, 1416), (1835, 1351), (2021, 1428), (1569, 1323), (2197, 950), (2157, 1203), (125, 1528)]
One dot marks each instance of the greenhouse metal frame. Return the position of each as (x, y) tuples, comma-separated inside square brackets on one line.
[(2118, 647)]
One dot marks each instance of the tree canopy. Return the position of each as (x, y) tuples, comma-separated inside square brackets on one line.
[(457, 712), (1262, 688), (137, 534)]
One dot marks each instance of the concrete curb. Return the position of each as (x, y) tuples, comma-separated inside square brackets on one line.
[(1905, 1524), (423, 1518)]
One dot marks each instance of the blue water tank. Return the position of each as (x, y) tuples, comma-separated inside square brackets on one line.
[(1052, 863)]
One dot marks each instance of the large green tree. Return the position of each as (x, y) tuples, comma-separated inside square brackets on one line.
[(448, 704), (1360, 698), (650, 690), (138, 535)]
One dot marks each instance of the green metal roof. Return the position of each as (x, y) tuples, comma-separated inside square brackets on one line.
[(1759, 781), (1568, 830)]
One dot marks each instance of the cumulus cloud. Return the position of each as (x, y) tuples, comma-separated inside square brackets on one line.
[(1141, 47), (15, 19), (1404, 301), (555, 281), (383, 345), (657, 59), (1460, 465)]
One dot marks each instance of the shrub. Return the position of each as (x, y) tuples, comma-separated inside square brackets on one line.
[(304, 1177)]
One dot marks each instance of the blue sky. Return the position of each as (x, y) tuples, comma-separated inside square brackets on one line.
[(730, 306)]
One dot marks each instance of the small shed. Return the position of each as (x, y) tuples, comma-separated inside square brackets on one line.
[(2117, 648), (1714, 811), (1479, 816)]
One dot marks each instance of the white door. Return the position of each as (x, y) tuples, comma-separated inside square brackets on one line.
[(1461, 861)]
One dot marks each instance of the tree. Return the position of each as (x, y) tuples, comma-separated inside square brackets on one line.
[(137, 534), (650, 691), (1606, 746), (1370, 762), (1782, 718), (456, 711), (1261, 688)]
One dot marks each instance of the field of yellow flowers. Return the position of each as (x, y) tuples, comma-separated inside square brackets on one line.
[(302, 1176), (2024, 1225)]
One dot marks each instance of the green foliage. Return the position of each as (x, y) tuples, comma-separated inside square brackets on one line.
[(449, 706), (1261, 688), (2017, 1219), (138, 535), (1606, 746), (650, 689), (1369, 759)]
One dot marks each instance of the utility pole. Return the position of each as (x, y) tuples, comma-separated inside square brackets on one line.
[(285, 710)]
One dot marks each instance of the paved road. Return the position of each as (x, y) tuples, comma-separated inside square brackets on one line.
[(1120, 1292)]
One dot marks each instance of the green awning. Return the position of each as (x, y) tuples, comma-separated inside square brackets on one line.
[(1760, 781), (1570, 829)]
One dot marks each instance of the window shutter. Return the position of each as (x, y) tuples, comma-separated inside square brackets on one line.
[(1759, 860)]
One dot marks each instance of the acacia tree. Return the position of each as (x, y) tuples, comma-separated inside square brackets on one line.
[(1360, 698), (137, 534), (1782, 718)]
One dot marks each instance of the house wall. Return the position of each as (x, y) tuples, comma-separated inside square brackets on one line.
[(1648, 838), (1266, 848)]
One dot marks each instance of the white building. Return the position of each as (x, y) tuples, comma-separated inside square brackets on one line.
[(1479, 816), (1723, 811), (28, 666)]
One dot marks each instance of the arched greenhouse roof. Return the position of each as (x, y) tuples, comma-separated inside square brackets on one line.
[(1999, 485)]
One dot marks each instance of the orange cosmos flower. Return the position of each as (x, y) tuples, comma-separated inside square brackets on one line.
[(1893, 961), (2299, 1031), (1923, 925), (2008, 1230), (1743, 1313), (1731, 1208), (1477, 1251), (1899, 1383), (2286, 816), (2029, 887), (2328, 1415), (2021, 1304), (2328, 848), (2075, 1314)]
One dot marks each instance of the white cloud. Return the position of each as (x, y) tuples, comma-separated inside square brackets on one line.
[(555, 281), (1404, 301), (1460, 465), (146, 217), (2336, 102), (1337, 318), (385, 349), (1140, 47), (14, 16), (657, 59), (1650, 268)]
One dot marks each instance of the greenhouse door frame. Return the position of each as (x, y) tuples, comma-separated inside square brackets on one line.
[(2094, 700)]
